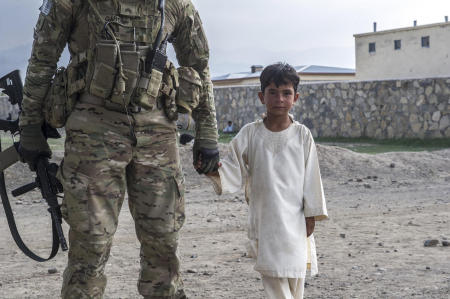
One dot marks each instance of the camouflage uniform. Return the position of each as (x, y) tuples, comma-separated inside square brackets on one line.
[(109, 151)]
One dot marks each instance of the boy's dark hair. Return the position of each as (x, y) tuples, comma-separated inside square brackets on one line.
[(279, 73)]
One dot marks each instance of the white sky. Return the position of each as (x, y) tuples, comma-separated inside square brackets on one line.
[(246, 32)]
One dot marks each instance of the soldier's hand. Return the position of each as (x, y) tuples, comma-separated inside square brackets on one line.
[(310, 224), (213, 173), (33, 145), (205, 155)]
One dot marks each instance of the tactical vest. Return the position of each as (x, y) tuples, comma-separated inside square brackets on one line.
[(112, 71), (122, 34)]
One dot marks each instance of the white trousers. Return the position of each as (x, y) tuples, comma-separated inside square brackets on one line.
[(283, 288)]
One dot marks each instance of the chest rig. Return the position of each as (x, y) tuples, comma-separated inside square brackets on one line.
[(127, 64)]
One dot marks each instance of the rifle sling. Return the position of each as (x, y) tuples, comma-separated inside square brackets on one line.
[(13, 228)]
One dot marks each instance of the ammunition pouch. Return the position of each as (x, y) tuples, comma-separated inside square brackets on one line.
[(76, 74), (104, 74), (188, 93), (58, 105), (169, 89), (125, 83), (148, 89), (64, 91), (159, 84)]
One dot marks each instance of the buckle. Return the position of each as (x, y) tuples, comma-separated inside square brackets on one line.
[(134, 109)]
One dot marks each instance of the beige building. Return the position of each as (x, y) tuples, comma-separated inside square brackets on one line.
[(412, 52), (306, 73)]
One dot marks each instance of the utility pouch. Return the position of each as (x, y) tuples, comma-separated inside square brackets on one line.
[(150, 84), (148, 89), (169, 91), (188, 92), (105, 71), (76, 75), (57, 106), (130, 61)]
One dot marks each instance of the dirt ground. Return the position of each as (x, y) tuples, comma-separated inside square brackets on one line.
[(382, 209)]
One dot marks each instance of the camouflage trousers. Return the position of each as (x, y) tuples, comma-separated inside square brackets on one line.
[(103, 159)]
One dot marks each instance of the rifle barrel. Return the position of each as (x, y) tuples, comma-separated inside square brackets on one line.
[(24, 189), (55, 213)]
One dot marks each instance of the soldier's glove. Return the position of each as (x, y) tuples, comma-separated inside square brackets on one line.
[(207, 151), (33, 145)]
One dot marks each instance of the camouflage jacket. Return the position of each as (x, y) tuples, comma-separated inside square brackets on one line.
[(66, 22)]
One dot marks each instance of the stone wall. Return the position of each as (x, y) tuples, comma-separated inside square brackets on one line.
[(417, 108)]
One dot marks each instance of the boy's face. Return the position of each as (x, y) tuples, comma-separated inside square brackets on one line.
[(278, 100)]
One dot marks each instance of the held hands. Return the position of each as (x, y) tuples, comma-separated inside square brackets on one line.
[(310, 223), (205, 156), (213, 173)]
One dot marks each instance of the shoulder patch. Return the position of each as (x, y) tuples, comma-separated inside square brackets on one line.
[(46, 7)]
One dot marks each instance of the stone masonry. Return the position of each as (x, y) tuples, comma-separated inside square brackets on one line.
[(416, 108)]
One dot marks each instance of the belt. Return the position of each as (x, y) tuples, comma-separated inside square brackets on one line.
[(93, 100)]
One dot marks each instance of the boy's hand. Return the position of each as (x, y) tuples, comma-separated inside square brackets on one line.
[(213, 174), (310, 223)]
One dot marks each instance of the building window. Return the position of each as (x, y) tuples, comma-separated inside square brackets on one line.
[(371, 47), (425, 41), (397, 44)]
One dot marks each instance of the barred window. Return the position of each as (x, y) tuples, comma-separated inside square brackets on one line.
[(397, 44), (371, 47)]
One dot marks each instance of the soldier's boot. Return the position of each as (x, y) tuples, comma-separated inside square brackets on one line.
[(84, 275)]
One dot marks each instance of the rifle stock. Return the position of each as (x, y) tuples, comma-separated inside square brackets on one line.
[(12, 87), (9, 125), (8, 157)]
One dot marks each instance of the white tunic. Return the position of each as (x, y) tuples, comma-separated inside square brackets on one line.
[(280, 172)]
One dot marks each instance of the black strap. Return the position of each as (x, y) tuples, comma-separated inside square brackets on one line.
[(159, 46), (13, 228), (161, 8)]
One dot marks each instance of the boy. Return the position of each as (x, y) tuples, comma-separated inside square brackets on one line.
[(276, 160)]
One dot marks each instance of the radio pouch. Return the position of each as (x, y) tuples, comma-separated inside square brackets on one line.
[(58, 105)]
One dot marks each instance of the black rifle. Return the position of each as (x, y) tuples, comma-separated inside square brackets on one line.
[(46, 180)]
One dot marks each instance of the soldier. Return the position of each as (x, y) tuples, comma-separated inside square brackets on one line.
[(121, 131)]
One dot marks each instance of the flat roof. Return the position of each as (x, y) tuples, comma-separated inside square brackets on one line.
[(402, 29), (302, 69)]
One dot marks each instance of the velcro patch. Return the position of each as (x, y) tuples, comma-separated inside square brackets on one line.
[(46, 7)]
